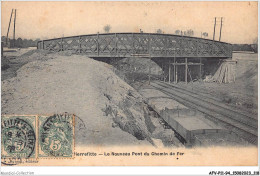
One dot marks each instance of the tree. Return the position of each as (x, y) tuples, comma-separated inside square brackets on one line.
[(205, 34), (30, 42), (159, 31), (19, 43), (107, 28), (190, 32), (3, 38), (177, 32), (25, 43)]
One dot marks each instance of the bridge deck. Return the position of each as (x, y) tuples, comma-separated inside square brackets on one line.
[(130, 44)]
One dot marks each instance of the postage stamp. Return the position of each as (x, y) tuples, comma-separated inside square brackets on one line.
[(18, 135), (56, 136)]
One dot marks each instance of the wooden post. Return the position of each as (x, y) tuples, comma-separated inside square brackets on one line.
[(164, 70), (9, 28), (174, 70), (200, 70), (214, 29), (186, 70), (176, 80), (169, 72), (14, 26), (149, 75), (220, 29)]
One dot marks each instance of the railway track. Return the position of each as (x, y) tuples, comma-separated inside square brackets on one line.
[(202, 93), (240, 123)]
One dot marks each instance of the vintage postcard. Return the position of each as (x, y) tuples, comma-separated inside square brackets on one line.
[(129, 83)]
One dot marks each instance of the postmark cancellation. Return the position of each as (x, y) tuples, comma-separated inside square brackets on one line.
[(18, 136), (56, 135), (36, 136)]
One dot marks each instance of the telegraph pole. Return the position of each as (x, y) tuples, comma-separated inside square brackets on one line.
[(14, 26), (220, 29), (9, 27), (214, 28)]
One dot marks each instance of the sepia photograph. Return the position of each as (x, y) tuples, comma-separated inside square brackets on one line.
[(110, 83)]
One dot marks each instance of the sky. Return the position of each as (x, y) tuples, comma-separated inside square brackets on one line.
[(56, 19)]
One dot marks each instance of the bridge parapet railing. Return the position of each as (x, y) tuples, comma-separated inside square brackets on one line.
[(127, 44)]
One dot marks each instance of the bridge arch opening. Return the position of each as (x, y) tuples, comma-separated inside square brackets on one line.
[(188, 69)]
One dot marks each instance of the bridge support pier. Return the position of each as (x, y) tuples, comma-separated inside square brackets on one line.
[(186, 70), (174, 71), (169, 75), (182, 69)]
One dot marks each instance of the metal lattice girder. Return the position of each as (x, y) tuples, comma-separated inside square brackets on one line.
[(52, 45), (89, 44), (70, 43), (127, 44), (107, 44)]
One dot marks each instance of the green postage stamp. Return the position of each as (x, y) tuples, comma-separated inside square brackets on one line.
[(18, 135), (37, 136), (56, 135)]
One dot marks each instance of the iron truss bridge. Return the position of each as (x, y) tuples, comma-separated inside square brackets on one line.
[(132, 44)]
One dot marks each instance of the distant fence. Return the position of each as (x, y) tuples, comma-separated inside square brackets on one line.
[(130, 44)]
